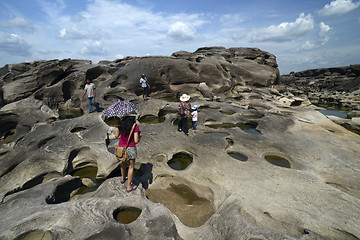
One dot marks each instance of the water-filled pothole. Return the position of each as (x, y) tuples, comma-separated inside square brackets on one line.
[(113, 121), (220, 125), (127, 215), (278, 161), (249, 127), (217, 134), (192, 209), (91, 183), (334, 113), (208, 107), (180, 161), (238, 156), (70, 113), (151, 119), (36, 234)]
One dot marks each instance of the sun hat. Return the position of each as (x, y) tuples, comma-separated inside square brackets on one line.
[(184, 97), (195, 107)]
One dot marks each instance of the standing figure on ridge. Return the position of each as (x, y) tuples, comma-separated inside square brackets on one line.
[(184, 112), (90, 90), (145, 86)]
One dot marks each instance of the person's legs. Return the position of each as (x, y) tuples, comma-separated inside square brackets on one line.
[(185, 126), (180, 125), (130, 173), (90, 104), (194, 125), (95, 104), (123, 171)]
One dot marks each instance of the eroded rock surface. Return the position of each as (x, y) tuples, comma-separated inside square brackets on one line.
[(60, 181)]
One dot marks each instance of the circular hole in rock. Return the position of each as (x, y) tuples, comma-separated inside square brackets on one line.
[(77, 129), (70, 113), (227, 112), (151, 119), (238, 156), (160, 158), (334, 113), (192, 210), (88, 178), (249, 127), (278, 161), (217, 134), (36, 234), (112, 98), (126, 215), (220, 125), (113, 121), (180, 161)]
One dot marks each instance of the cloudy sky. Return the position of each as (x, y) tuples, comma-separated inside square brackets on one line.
[(302, 34)]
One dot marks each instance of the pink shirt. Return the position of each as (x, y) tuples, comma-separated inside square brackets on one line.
[(123, 139)]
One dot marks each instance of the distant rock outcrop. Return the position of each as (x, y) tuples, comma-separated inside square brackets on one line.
[(334, 87)]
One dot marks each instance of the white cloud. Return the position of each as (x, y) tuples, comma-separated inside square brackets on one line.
[(285, 31), (18, 22), (94, 48), (323, 38), (181, 32), (231, 19), (338, 7), (13, 44)]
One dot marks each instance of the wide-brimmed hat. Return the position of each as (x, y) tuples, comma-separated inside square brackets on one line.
[(184, 97), (195, 107)]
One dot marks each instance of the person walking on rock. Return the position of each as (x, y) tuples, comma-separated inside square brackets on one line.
[(145, 86), (90, 90), (184, 113), (126, 127)]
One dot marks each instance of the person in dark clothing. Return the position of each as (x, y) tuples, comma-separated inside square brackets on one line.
[(184, 113)]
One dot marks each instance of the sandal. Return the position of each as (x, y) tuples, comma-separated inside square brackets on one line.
[(133, 187), (123, 181)]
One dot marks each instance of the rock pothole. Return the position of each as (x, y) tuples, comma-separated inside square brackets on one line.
[(249, 127), (180, 161), (78, 129), (152, 119), (35, 235), (112, 121), (238, 156), (70, 113), (126, 215), (192, 207), (278, 161)]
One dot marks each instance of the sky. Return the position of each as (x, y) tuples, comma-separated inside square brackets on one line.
[(302, 34)]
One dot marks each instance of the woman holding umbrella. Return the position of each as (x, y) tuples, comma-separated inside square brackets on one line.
[(129, 134)]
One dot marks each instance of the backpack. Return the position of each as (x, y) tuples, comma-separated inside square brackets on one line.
[(185, 109)]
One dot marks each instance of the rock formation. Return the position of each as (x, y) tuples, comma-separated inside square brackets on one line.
[(264, 163)]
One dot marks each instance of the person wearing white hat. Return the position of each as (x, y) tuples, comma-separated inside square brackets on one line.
[(184, 113)]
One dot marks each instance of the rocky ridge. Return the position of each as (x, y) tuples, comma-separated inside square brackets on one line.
[(265, 163)]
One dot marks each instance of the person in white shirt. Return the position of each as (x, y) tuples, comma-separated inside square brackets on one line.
[(90, 90), (194, 116), (145, 86)]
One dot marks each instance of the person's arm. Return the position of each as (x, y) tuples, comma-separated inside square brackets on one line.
[(148, 84), (94, 92), (136, 137), (117, 133), (141, 84), (84, 94)]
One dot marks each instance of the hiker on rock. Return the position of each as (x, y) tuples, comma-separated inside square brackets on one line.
[(184, 113), (129, 134), (145, 86), (90, 90)]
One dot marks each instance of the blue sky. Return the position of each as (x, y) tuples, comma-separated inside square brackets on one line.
[(302, 34)]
